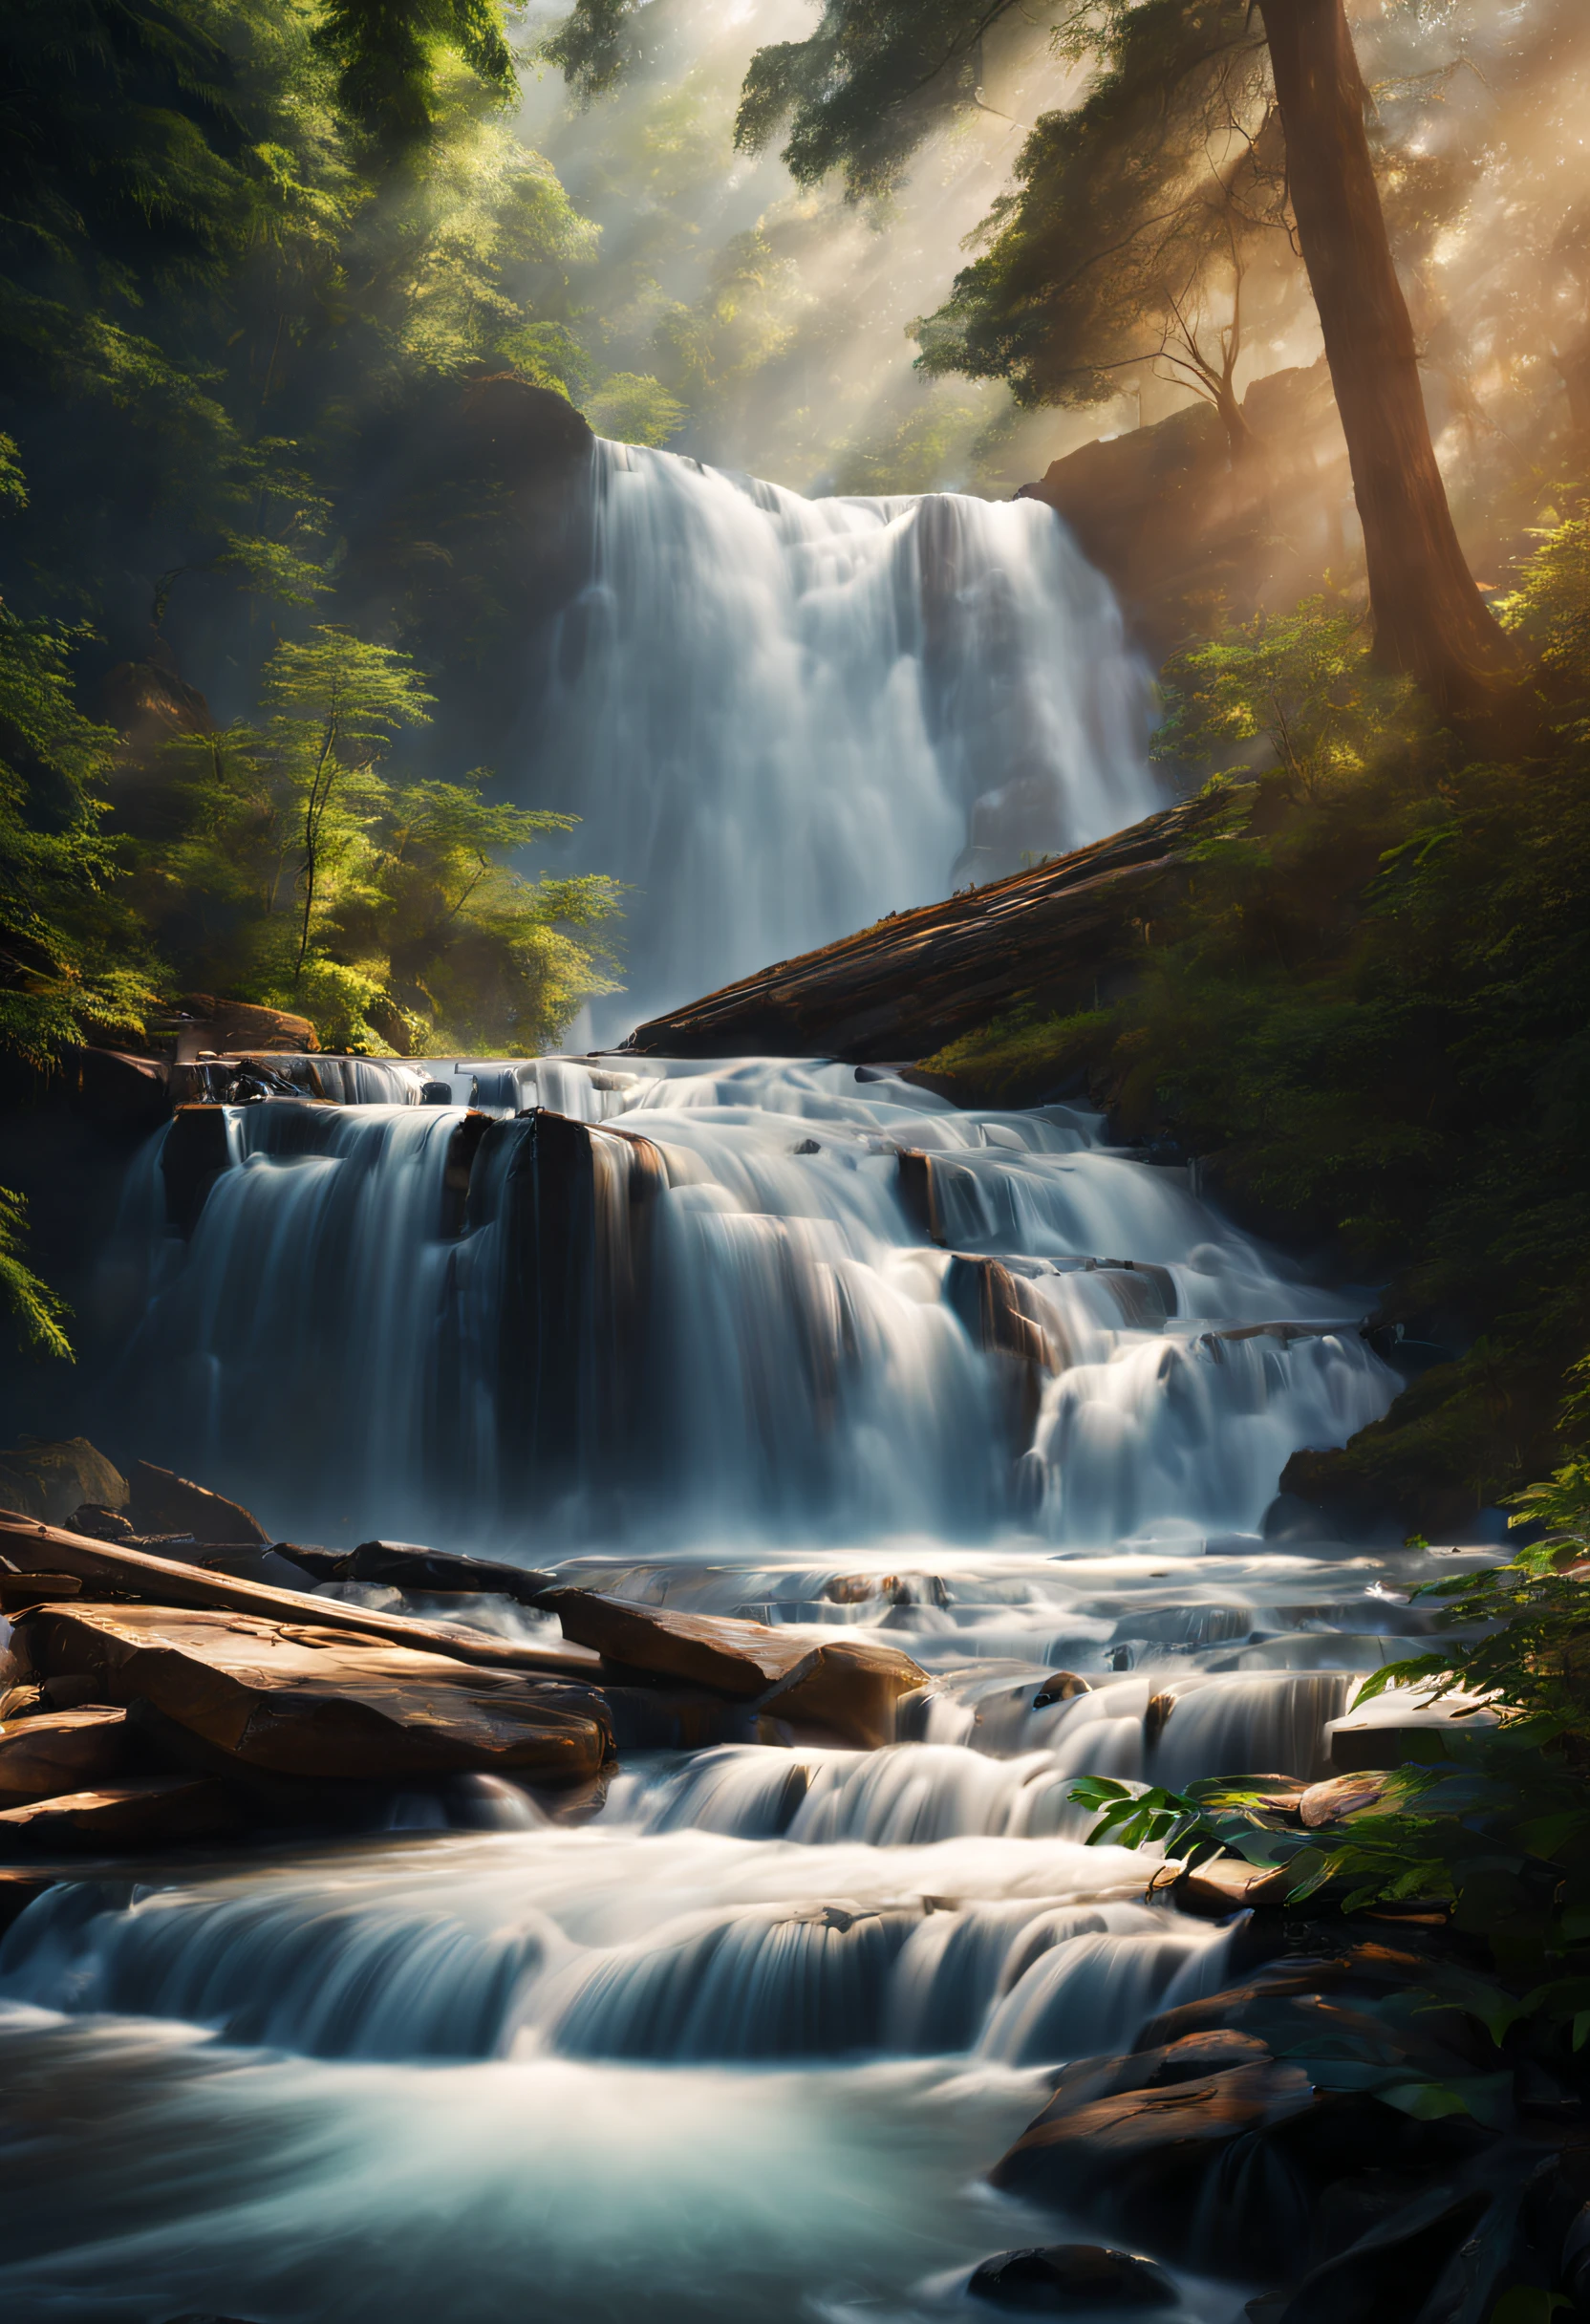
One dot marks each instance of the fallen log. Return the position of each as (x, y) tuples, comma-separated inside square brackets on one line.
[(904, 987), (139, 1574), (296, 1699)]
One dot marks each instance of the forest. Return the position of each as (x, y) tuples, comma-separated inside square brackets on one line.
[(794, 1160)]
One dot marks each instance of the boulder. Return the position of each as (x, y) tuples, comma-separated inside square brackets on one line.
[(117, 1090), (1071, 2279), (1189, 2059), (161, 1502), (1060, 1686), (846, 1686), (170, 1579), (48, 1479), (99, 1524), (302, 1699), (61, 1750), (151, 1809), (1388, 1733)]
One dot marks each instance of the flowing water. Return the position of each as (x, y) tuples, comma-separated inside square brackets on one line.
[(741, 2035), (837, 708)]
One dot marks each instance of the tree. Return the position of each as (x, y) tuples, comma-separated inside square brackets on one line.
[(876, 76), (1131, 244)]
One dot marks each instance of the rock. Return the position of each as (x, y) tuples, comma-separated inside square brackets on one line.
[(150, 1809), (301, 1699), (1060, 1686), (48, 1478), (112, 1571), (19, 1591), (1229, 1883), (1146, 2159), (61, 1752), (165, 1502), (99, 1524), (408, 1566), (198, 1148), (845, 1686), (1386, 1734), (115, 1091), (21, 1703), (231, 1026), (1068, 2279), (1388, 2275), (1339, 1796), (1191, 2059), (247, 1564), (18, 1889), (676, 1719)]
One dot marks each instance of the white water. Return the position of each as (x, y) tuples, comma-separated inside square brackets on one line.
[(779, 718), (739, 2036)]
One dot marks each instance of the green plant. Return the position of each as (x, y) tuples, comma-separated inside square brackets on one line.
[(38, 1313)]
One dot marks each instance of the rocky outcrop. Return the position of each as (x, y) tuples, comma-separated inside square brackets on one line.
[(1180, 528), (48, 1479), (207, 1022), (300, 1699), (160, 1502), (903, 988)]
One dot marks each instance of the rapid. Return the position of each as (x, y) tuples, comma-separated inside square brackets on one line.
[(739, 2032)]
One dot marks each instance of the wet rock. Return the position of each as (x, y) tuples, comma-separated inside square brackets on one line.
[(18, 1889), (1068, 2279), (676, 1719), (61, 1752), (164, 1503), (1389, 2273), (848, 1687), (246, 1563), (1148, 2161), (1192, 2060), (48, 1479), (170, 1579), (302, 1699), (117, 1091), (97, 1524), (408, 1566), (1156, 1716), (1059, 1687), (1386, 1734), (198, 1148), (151, 1809), (1229, 1883)]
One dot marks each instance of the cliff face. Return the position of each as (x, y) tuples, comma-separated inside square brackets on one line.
[(1180, 529)]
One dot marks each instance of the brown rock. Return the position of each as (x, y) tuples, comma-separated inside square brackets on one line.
[(61, 1752), (1060, 1686), (1140, 2140), (1229, 1883), (48, 1479), (169, 1580), (847, 1686), (164, 1503), (1340, 1796), (1071, 2279), (19, 1591), (300, 1699), (151, 1808)]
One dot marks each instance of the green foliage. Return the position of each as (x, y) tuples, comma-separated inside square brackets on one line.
[(1550, 608), (635, 409), (300, 875), (1365, 1004), (38, 1313), (71, 962), (1301, 684), (387, 59)]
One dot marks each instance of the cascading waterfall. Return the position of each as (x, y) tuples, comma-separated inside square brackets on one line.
[(787, 1340), (779, 718)]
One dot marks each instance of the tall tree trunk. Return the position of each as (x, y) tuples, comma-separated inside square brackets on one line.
[(1430, 618)]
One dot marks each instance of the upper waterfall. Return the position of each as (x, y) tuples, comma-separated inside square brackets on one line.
[(779, 718)]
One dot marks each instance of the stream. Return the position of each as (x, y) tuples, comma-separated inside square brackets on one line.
[(739, 2035)]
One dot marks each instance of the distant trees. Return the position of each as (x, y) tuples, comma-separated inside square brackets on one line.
[(1195, 135)]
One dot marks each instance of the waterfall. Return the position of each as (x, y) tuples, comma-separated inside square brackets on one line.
[(779, 718), (703, 1302)]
